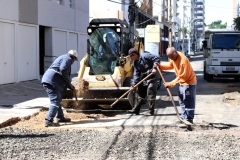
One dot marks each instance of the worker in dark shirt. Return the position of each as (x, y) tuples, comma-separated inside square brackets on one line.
[(143, 66), (55, 80)]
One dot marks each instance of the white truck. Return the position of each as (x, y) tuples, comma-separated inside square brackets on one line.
[(221, 48)]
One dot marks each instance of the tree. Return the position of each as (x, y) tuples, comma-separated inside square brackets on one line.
[(184, 33), (217, 24), (237, 23)]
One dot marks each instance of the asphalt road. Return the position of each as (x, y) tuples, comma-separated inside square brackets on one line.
[(26, 98)]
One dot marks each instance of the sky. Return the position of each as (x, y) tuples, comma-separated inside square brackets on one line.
[(218, 10)]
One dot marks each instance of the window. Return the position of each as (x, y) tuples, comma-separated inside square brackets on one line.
[(71, 3), (59, 1)]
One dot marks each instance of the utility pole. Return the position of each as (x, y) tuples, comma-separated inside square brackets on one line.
[(170, 24), (131, 18)]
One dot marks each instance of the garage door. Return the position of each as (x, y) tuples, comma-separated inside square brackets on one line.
[(27, 53), (7, 46)]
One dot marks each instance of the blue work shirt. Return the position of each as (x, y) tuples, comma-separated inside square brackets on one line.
[(58, 74), (144, 66)]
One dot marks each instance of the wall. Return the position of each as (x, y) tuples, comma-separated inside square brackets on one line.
[(50, 13), (28, 11), (9, 10)]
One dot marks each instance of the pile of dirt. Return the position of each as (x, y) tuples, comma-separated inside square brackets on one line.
[(36, 121), (233, 98)]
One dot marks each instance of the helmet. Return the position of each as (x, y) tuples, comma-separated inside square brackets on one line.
[(73, 53)]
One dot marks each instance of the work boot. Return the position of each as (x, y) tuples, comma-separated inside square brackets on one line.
[(48, 123), (149, 113), (137, 106), (63, 120)]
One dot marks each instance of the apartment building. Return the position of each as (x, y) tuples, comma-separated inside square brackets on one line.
[(34, 32), (198, 28)]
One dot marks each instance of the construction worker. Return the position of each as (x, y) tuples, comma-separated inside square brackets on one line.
[(55, 80), (186, 79), (143, 66), (108, 51)]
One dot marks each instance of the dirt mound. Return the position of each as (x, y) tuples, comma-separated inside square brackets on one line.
[(233, 98), (36, 121)]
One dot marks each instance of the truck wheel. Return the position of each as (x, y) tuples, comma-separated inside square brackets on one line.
[(209, 77), (236, 78)]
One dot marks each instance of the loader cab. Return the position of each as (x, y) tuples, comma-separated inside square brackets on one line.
[(106, 43)]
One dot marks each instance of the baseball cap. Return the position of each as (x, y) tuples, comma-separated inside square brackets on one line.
[(132, 51)]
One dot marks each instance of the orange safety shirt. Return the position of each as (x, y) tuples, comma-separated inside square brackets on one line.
[(183, 70)]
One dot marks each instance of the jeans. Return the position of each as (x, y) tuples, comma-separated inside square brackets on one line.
[(187, 99), (55, 107)]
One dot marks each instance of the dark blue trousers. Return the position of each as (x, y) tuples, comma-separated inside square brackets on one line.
[(187, 99), (55, 107)]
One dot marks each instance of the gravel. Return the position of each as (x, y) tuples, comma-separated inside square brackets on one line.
[(156, 142)]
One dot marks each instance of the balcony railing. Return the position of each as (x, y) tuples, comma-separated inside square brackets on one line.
[(198, 1), (198, 8), (198, 13)]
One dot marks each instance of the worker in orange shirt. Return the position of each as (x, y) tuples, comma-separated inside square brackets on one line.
[(186, 79)]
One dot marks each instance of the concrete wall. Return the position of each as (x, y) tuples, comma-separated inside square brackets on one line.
[(9, 10), (28, 11), (50, 13)]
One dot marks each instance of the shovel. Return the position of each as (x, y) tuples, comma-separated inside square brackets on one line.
[(106, 106), (178, 116)]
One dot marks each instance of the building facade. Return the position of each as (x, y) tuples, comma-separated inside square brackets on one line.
[(198, 28), (33, 33)]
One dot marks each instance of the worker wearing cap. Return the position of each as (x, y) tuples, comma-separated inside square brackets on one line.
[(55, 80), (143, 66), (186, 79)]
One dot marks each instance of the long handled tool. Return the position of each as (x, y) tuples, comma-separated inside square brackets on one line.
[(178, 116), (106, 106)]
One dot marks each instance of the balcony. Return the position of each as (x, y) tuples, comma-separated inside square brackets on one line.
[(176, 20), (199, 18), (198, 8), (199, 24), (198, 13), (198, 2)]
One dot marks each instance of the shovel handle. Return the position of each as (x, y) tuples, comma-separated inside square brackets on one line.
[(131, 89)]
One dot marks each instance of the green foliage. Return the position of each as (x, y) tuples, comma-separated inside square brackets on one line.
[(237, 23), (217, 24), (184, 30)]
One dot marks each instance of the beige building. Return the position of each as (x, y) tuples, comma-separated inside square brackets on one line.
[(34, 32)]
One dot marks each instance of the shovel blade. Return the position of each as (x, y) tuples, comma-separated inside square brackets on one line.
[(105, 106)]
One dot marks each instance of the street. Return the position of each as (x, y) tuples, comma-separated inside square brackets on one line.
[(215, 134)]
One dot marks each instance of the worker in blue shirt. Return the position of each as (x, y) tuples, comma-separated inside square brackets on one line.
[(144, 65), (55, 80)]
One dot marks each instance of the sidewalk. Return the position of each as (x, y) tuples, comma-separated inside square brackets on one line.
[(19, 100)]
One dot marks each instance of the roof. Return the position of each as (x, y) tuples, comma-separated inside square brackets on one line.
[(115, 21)]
